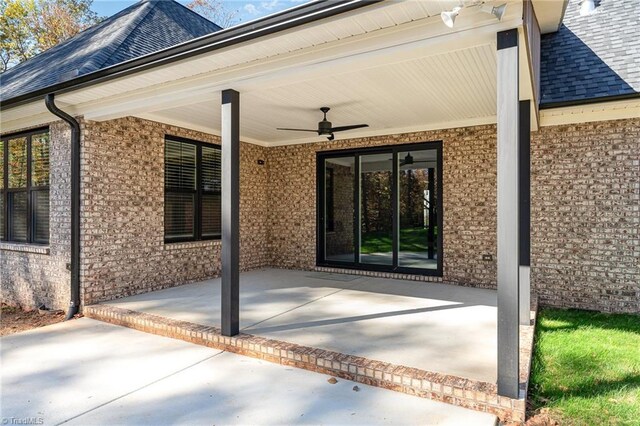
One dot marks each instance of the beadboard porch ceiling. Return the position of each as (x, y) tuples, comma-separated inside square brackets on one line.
[(394, 66)]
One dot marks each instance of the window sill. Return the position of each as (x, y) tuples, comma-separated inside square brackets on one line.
[(191, 244), (24, 248)]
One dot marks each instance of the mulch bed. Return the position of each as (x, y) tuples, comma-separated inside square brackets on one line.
[(14, 320)]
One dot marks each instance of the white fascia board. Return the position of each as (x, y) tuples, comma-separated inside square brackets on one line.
[(29, 121), (550, 14), (602, 111), (526, 91)]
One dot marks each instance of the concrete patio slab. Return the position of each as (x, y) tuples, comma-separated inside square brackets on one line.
[(87, 372), (432, 327)]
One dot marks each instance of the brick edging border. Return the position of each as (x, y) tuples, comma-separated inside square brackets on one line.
[(463, 392)]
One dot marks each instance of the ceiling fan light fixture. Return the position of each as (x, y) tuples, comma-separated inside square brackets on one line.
[(325, 127)]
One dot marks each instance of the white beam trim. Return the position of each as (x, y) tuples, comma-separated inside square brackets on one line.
[(187, 125), (372, 132)]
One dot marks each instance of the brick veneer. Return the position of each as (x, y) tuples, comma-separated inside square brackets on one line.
[(585, 215), (469, 187), (468, 393), (34, 275), (339, 241), (123, 212)]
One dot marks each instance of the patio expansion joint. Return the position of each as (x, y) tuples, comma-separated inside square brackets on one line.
[(126, 394), (460, 391), (298, 307)]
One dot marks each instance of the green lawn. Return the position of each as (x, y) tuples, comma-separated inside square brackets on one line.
[(586, 368), (411, 239)]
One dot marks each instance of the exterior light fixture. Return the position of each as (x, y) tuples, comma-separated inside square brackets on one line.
[(497, 11), (449, 17)]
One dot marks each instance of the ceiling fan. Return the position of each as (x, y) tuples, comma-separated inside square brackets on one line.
[(325, 127), (408, 160)]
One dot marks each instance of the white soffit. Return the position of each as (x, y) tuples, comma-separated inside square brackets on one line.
[(275, 71), (430, 92)]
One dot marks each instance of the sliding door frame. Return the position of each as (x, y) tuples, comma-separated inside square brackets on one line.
[(321, 158)]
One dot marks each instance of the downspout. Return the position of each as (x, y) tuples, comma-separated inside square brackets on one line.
[(74, 304)]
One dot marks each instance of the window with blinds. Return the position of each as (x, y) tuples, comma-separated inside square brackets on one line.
[(192, 187), (24, 187)]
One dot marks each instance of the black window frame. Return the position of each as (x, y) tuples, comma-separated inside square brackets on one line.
[(30, 190), (329, 201), (198, 192), (321, 156)]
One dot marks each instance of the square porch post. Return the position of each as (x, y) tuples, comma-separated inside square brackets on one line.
[(525, 212), (508, 235), (230, 212)]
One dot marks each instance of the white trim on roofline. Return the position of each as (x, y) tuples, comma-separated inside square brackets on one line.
[(601, 111)]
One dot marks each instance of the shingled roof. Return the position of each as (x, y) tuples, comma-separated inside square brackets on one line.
[(145, 27), (594, 56)]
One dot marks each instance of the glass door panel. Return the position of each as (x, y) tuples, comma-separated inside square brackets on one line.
[(418, 230), (376, 209), (339, 209)]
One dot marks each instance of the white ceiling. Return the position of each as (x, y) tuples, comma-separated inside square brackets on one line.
[(444, 88)]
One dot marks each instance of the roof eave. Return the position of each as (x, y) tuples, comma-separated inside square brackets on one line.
[(271, 24), (586, 101)]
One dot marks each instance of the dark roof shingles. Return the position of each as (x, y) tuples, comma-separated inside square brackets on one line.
[(592, 56), (145, 27)]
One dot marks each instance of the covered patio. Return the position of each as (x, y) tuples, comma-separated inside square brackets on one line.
[(432, 340), (432, 327)]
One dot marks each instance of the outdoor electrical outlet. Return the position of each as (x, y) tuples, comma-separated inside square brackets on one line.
[(487, 257)]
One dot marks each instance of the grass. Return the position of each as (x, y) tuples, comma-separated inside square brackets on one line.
[(411, 239), (586, 368)]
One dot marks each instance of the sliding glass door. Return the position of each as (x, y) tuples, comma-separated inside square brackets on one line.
[(376, 209), (381, 208), (418, 215), (339, 209)]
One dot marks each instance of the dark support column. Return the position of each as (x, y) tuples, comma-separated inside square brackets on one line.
[(230, 212), (357, 218), (395, 196), (508, 235), (525, 211), (431, 186)]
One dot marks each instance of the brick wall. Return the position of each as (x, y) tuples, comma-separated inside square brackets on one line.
[(339, 241), (585, 215), (123, 215), (32, 275), (469, 186)]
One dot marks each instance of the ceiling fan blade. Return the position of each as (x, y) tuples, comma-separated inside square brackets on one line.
[(298, 130), (343, 128)]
